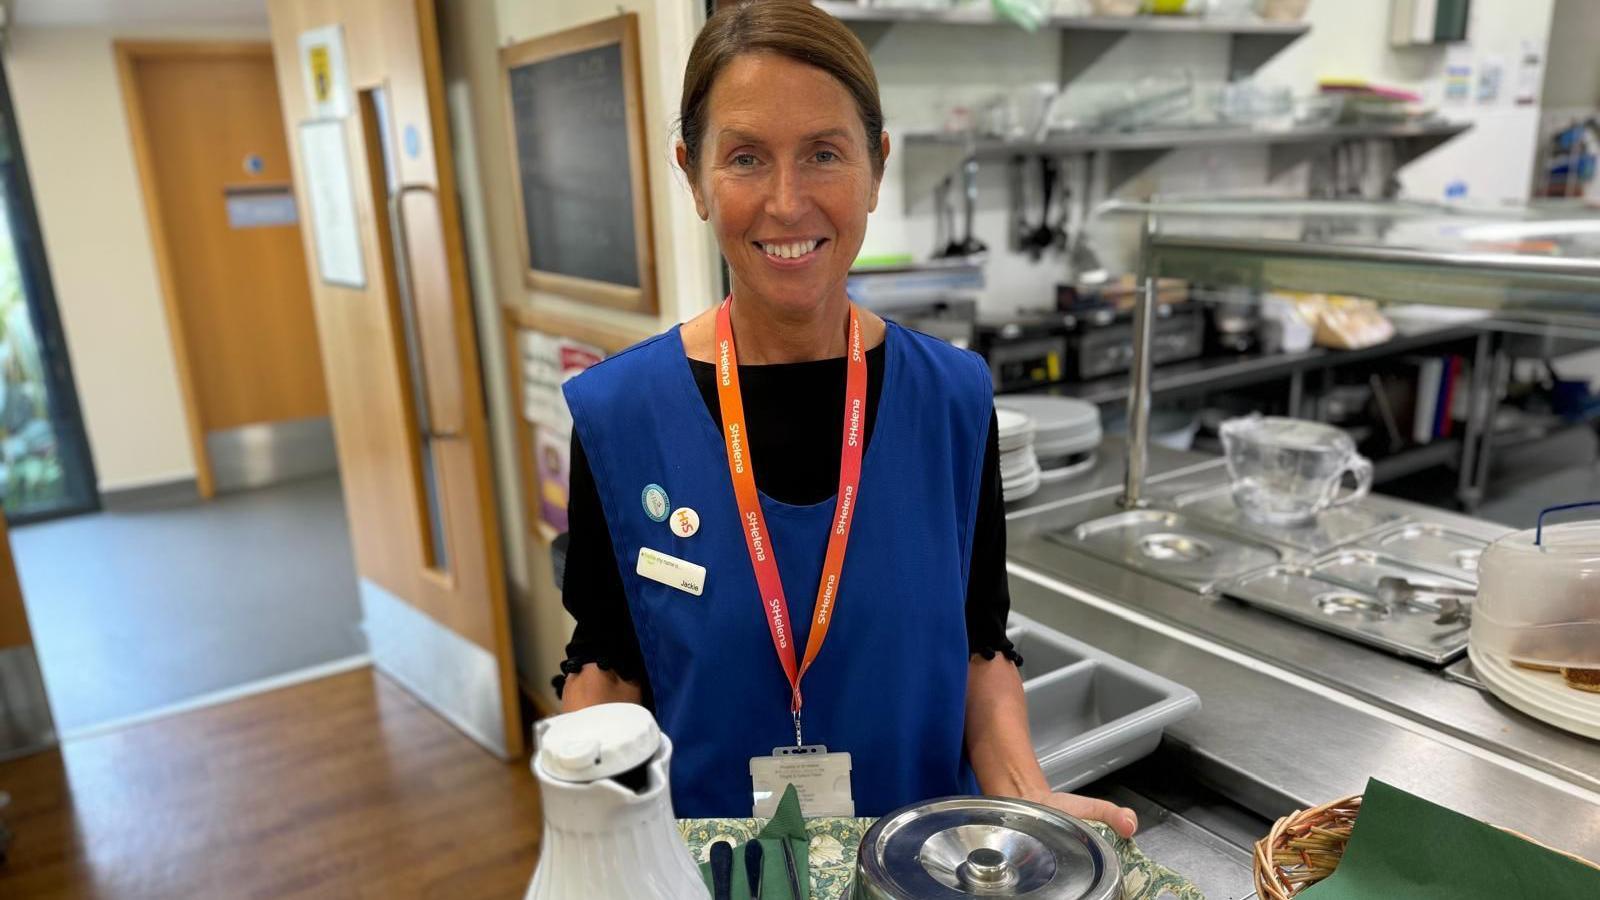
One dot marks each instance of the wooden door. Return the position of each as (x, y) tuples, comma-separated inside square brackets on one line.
[(25, 723), (402, 363), (210, 139)]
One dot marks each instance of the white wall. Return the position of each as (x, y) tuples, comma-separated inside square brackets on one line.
[(472, 33), (924, 69), (75, 140)]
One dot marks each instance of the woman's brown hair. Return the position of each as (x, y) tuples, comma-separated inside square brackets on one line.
[(791, 28)]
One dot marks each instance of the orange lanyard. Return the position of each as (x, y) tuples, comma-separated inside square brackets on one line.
[(757, 539)]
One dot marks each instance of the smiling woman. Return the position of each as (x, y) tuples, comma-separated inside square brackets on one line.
[(842, 471)]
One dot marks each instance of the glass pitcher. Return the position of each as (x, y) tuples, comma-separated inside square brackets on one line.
[(1287, 471)]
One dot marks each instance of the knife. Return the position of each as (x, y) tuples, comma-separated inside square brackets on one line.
[(752, 868), (794, 879), (722, 871)]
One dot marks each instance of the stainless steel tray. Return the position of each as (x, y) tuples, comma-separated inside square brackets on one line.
[(1089, 712), (1364, 569), (1169, 546), (1332, 528), (1429, 546), (1332, 605)]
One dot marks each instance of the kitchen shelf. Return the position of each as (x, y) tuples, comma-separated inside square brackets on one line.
[(984, 15), (1173, 138)]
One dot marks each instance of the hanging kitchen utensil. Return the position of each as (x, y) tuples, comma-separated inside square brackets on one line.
[(1058, 227), (944, 219), (1016, 181), (970, 245), (1041, 237)]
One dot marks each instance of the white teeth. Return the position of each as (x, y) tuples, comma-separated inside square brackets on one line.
[(790, 251)]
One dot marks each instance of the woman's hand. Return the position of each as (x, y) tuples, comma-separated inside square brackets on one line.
[(1002, 753), (1121, 819)]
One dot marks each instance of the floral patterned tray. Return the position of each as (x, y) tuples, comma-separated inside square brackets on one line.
[(833, 856)]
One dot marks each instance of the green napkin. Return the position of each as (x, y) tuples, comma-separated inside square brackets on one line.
[(786, 825), (1404, 846)]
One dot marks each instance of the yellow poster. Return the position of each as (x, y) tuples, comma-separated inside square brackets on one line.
[(321, 73)]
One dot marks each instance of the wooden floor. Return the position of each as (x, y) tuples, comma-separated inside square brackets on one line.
[(343, 787)]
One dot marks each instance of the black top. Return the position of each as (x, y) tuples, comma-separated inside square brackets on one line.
[(795, 430)]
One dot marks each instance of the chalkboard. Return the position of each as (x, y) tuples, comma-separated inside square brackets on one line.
[(578, 155)]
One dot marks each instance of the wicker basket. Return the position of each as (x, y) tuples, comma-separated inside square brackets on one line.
[(1305, 847)]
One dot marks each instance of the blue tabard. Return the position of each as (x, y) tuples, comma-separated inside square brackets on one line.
[(890, 683)]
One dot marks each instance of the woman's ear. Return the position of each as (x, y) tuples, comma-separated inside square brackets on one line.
[(694, 184), (877, 179)]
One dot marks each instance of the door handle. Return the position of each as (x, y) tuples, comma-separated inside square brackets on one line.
[(408, 309)]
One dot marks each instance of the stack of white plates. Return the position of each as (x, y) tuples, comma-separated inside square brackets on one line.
[(1019, 468), (1066, 433)]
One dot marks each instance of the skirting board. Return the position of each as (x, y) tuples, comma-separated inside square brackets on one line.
[(451, 675), (253, 456), (159, 495)]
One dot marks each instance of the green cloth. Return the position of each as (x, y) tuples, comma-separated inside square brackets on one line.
[(1404, 846), (785, 826)]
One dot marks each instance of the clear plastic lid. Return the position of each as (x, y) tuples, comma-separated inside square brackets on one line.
[(1539, 596)]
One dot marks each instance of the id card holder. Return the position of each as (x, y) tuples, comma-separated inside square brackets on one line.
[(821, 779)]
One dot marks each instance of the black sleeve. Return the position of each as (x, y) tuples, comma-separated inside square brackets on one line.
[(591, 588), (988, 594)]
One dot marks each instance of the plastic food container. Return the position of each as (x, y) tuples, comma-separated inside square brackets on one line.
[(1090, 713), (1539, 594)]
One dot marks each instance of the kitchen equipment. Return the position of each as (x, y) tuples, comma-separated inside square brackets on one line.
[(1019, 468), (1233, 325), (1430, 546), (1100, 339), (1332, 595), (608, 825), (1449, 602), (985, 847), (1168, 546), (1539, 594), (1066, 432), (1023, 351), (944, 226), (1286, 471), (969, 245), (950, 319), (1089, 712), (1332, 529)]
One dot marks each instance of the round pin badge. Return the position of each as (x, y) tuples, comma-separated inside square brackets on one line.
[(656, 505), (685, 522)]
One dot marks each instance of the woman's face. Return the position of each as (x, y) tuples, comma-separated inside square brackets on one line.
[(785, 179)]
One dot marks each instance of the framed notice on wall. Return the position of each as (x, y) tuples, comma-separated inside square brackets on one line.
[(576, 120)]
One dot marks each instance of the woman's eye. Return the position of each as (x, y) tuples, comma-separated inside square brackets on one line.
[(827, 156), (744, 160)]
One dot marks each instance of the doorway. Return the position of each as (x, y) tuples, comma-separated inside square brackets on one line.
[(208, 137)]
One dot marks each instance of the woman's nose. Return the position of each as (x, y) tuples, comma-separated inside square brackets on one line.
[(788, 200)]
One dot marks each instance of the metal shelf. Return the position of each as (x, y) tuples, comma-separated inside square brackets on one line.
[(983, 15), (1172, 138)]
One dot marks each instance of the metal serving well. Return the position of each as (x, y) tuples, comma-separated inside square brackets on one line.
[(1169, 546)]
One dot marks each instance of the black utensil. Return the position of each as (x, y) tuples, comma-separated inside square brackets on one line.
[(722, 871), (752, 868), (794, 877)]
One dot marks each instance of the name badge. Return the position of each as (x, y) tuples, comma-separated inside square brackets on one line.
[(821, 780), (671, 571)]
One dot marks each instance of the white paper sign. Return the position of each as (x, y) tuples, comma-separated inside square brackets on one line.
[(323, 69), (331, 196)]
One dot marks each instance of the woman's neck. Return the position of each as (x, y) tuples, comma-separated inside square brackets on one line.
[(766, 336)]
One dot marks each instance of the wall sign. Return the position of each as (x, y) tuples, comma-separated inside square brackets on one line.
[(327, 78), (331, 195)]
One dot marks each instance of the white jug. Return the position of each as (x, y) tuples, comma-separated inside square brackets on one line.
[(608, 825)]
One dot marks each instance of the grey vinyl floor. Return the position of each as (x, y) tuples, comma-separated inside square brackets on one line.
[(134, 611)]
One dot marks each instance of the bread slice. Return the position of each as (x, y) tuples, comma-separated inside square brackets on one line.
[(1536, 667), (1582, 679)]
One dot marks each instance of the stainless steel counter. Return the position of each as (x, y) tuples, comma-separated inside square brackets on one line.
[(1293, 716)]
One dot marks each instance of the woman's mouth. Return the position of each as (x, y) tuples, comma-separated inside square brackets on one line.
[(790, 254)]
